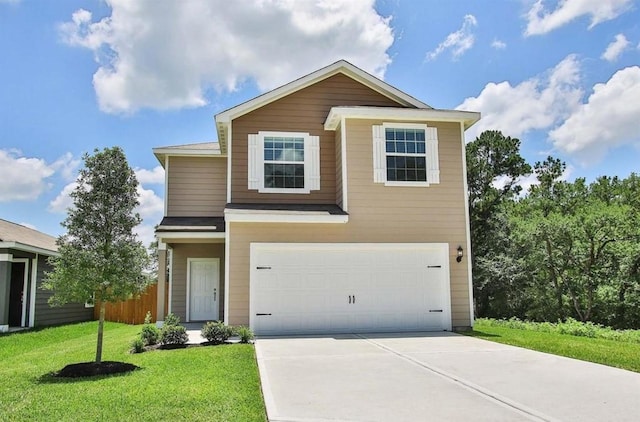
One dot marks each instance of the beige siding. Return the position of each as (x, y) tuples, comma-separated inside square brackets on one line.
[(413, 214), (181, 252), (381, 214), (302, 111), (197, 186), (339, 198)]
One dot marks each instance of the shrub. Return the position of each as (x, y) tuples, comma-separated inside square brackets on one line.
[(216, 332), (245, 334), (150, 334), (171, 319), (569, 327), (174, 335), (137, 345)]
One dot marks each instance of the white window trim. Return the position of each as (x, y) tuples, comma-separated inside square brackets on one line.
[(25, 285), (311, 162), (380, 155)]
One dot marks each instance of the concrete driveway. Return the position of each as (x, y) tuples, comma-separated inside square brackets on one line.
[(435, 377)]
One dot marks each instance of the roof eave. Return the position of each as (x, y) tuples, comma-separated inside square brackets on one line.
[(468, 118), (162, 152), (28, 248)]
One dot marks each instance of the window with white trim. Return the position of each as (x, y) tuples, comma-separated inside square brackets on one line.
[(284, 162), (405, 154)]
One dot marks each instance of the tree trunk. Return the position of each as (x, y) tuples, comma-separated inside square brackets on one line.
[(100, 332)]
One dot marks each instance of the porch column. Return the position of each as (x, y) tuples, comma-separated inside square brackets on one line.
[(5, 288), (162, 281)]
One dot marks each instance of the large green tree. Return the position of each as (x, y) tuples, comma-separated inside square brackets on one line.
[(100, 257), (580, 245), (494, 168)]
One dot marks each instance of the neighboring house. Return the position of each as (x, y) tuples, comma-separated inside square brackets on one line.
[(23, 262), (335, 203)]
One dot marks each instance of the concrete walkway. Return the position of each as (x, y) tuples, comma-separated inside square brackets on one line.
[(435, 377)]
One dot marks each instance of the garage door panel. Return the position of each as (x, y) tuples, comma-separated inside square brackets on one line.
[(315, 288)]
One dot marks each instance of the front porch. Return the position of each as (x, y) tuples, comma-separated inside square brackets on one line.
[(191, 257)]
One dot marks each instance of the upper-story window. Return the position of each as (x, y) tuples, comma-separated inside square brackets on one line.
[(405, 154), (284, 162)]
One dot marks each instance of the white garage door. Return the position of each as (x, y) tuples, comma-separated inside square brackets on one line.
[(349, 287)]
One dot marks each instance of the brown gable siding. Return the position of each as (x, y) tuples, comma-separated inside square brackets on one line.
[(197, 186), (302, 111)]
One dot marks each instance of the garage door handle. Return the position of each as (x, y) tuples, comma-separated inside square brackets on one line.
[(263, 314), (349, 298), (434, 266), (263, 268), (354, 298), (435, 310)]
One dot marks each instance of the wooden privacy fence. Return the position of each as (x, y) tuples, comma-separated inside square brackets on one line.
[(133, 311)]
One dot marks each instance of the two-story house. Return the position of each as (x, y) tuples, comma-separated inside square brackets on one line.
[(335, 203)]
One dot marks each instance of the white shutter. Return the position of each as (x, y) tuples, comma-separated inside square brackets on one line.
[(314, 162), (433, 165), (253, 164), (379, 157)]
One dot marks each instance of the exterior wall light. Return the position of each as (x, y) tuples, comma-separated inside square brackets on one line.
[(460, 254)]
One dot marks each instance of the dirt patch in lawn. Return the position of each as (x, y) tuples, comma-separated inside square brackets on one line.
[(92, 369)]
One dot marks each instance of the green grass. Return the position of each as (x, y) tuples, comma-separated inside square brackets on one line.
[(625, 355), (218, 383)]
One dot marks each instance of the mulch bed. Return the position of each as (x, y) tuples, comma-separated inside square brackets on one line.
[(92, 369)]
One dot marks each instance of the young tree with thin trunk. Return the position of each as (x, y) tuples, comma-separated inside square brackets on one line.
[(100, 258)]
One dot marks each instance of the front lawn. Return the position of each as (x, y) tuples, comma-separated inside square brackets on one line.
[(218, 383), (620, 354)]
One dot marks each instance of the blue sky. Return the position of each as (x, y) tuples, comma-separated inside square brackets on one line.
[(562, 76)]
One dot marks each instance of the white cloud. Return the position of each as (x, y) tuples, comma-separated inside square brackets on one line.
[(151, 205), (23, 179), (151, 209), (146, 233), (608, 119), (154, 176), (458, 41), (616, 48), (540, 21), (61, 203), (31, 226), (67, 166), (498, 44), (537, 103), (168, 55)]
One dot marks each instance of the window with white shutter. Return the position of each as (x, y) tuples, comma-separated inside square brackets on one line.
[(283, 162), (405, 154)]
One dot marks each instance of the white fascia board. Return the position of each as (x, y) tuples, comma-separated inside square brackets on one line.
[(468, 118), (161, 153), (27, 248), (187, 228), (189, 235), (268, 216)]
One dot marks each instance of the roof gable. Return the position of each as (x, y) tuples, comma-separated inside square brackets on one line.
[(224, 118)]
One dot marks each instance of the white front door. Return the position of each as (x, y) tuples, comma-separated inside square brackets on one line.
[(345, 287), (204, 289)]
